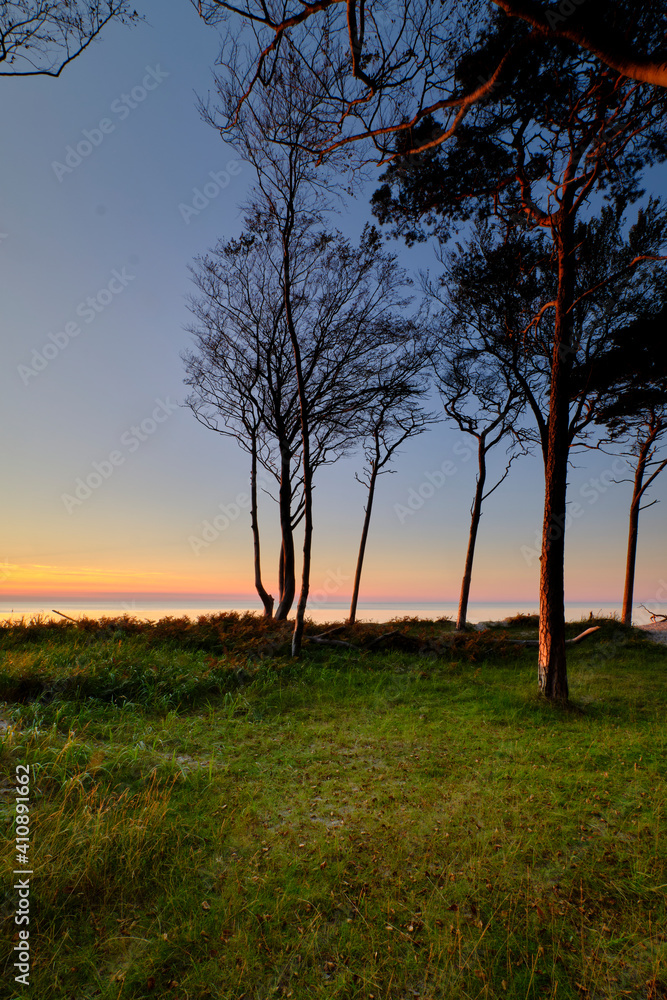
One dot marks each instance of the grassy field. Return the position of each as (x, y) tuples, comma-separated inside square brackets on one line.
[(210, 819)]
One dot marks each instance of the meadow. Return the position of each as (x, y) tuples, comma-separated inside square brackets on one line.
[(212, 819)]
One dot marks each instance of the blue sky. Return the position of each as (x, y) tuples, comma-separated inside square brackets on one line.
[(95, 282)]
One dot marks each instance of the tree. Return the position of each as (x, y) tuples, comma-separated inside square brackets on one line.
[(482, 402), (597, 28), (393, 415), (566, 132), (41, 38), (243, 373), (400, 63), (650, 434), (338, 303), (537, 140), (241, 381), (505, 282), (638, 410)]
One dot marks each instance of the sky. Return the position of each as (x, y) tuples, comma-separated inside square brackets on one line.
[(111, 184)]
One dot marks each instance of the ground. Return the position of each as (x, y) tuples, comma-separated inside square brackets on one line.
[(211, 821)]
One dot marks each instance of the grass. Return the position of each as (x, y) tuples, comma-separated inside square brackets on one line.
[(210, 822)]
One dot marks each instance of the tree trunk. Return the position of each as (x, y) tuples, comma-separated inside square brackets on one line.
[(287, 539), (552, 667), (266, 598), (297, 635), (475, 515), (633, 530), (362, 544), (281, 572)]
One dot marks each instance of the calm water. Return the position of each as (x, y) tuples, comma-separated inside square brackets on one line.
[(319, 612)]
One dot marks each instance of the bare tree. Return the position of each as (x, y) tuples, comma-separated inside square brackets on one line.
[(338, 302), (393, 415), (650, 434), (486, 404), (243, 374), (41, 38)]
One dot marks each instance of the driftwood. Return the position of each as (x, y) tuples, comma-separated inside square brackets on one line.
[(398, 642), (332, 642), (655, 616), (65, 616), (402, 642), (568, 642)]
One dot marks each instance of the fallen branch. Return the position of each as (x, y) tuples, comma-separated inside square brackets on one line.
[(64, 616), (582, 635), (401, 642), (568, 642), (379, 638), (332, 631), (333, 642), (655, 616)]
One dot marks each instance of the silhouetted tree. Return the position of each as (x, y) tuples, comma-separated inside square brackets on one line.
[(41, 38), (506, 281), (243, 373), (637, 411), (393, 415), (650, 435), (338, 302), (482, 401), (613, 32)]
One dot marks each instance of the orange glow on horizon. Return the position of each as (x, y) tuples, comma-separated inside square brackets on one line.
[(34, 580), (44, 582)]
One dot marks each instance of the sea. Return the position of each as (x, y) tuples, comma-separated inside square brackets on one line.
[(479, 611)]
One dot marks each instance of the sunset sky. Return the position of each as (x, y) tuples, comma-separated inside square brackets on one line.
[(94, 252)]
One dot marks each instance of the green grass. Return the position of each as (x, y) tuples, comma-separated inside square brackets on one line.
[(208, 822)]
